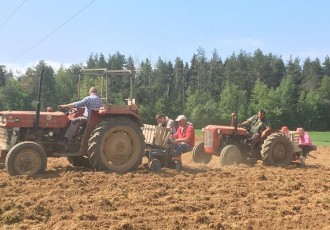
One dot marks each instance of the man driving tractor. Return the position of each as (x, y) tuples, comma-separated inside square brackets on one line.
[(259, 125)]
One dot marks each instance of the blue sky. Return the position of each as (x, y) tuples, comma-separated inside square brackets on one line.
[(67, 31)]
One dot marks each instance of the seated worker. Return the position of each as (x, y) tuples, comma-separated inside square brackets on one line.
[(259, 125), (166, 122), (91, 102), (285, 131), (184, 138), (305, 143)]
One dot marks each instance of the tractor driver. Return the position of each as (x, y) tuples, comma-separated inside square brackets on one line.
[(91, 102), (258, 125)]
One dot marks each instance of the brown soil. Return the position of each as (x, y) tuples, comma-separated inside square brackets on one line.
[(199, 197)]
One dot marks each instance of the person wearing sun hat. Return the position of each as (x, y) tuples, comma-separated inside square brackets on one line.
[(184, 139)]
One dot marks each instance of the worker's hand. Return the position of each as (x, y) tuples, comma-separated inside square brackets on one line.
[(60, 106), (170, 141)]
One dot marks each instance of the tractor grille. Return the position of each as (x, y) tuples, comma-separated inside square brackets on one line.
[(208, 140), (5, 137)]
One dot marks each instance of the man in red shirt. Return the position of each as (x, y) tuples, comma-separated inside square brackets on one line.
[(184, 138)]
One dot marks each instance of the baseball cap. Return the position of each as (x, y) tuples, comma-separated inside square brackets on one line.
[(181, 117)]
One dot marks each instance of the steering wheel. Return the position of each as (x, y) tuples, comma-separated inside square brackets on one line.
[(68, 111), (72, 111), (247, 127)]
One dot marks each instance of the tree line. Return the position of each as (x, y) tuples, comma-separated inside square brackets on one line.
[(206, 90)]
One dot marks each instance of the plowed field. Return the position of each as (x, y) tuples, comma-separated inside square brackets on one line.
[(199, 197)]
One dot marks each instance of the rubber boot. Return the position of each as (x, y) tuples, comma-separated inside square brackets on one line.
[(178, 165)]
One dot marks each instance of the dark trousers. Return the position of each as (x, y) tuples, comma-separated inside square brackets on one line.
[(75, 123), (181, 148), (306, 149)]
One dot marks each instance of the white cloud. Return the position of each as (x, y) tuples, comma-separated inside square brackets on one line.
[(304, 54), (20, 69)]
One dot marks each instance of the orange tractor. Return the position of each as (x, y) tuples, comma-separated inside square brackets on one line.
[(236, 145), (112, 139)]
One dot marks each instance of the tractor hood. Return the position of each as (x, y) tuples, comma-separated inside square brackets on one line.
[(226, 130), (26, 119)]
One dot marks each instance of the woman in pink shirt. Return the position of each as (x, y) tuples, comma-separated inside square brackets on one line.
[(305, 143)]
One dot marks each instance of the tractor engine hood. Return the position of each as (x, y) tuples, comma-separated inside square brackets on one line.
[(26, 119), (226, 130)]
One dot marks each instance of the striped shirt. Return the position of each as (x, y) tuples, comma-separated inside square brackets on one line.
[(92, 102)]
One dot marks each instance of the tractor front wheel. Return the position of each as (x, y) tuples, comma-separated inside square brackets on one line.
[(199, 155), (117, 145), (26, 158), (230, 155), (155, 165)]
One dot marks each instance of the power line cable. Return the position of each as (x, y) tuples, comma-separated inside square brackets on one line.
[(5, 22), (52, 32)]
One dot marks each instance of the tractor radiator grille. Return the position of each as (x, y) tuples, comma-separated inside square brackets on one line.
[(5, 137), (208, 138)]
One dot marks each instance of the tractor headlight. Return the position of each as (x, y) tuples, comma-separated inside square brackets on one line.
[(219, 131)]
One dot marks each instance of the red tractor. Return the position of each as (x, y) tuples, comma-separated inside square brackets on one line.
[(236, 145), (112, 139)]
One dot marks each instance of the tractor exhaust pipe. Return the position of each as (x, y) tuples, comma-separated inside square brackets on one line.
[(235, 119), (37, 117)]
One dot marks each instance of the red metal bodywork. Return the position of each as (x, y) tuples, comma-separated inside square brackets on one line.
[(59, 120), (25, 119), (214, 133)]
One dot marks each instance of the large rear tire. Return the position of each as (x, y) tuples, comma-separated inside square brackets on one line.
[(199, 155), (230, 155), (117, 145), (26, 158), (277, 150)]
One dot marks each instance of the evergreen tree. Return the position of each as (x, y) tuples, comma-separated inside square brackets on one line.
[(2, 75), (312, 74), (294, 70), (232, 100)]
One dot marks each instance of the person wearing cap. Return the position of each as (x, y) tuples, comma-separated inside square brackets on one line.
[(165, 122), (184, 138)]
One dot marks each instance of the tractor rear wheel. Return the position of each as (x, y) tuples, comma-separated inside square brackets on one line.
[(117, 145), (199, 155), (277, 150), (230, 155), (26, 158)]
